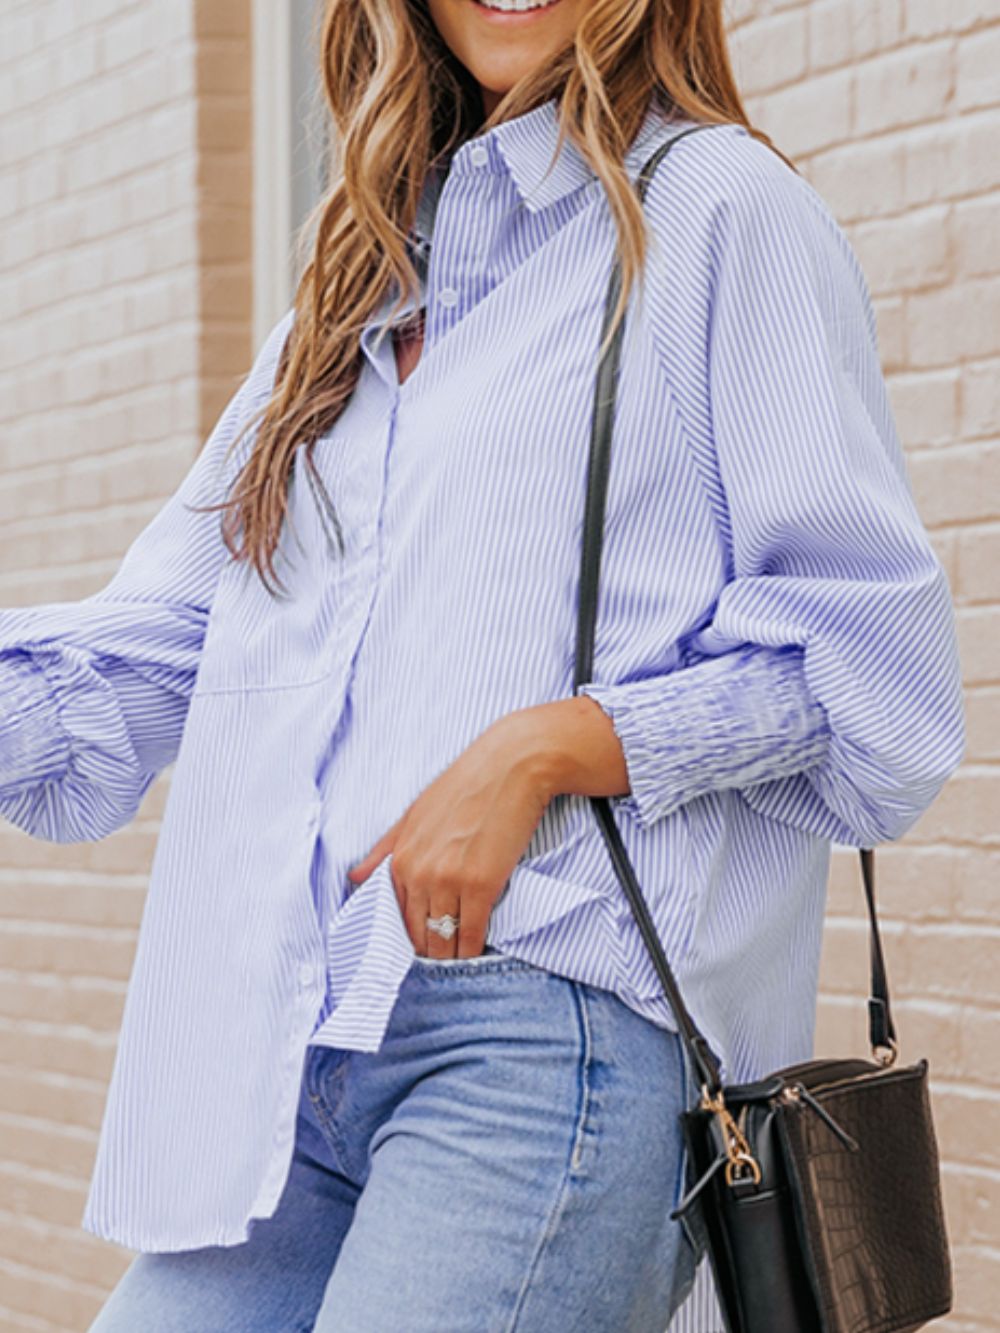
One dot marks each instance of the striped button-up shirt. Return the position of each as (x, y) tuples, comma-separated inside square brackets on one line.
[(775, 648)]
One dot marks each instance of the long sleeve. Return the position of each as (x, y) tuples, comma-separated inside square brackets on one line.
[(726, 722), (829, 687), (94, 694)]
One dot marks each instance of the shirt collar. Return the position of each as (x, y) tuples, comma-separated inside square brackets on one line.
[(524, 147)]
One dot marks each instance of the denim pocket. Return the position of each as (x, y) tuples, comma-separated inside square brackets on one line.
[(492, 961), (453, 962), (324, 1075), (489, 951)]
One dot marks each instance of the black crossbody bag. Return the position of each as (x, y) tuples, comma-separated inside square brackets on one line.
[(817, 1186)]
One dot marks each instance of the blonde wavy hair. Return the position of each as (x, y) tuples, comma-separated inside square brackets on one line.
[(400, 103)]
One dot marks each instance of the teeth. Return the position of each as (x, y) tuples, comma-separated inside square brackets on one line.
[(515, 6)]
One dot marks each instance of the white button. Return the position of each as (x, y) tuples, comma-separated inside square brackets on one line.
[(479, 156), (307, 974), (447, 296)]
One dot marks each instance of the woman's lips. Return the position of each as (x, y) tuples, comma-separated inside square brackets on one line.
[(515, 18)]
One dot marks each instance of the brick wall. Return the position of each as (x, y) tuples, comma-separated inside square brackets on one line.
[(125, 291), (892, 109), (126, 300)]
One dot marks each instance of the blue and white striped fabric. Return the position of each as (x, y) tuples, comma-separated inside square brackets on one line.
[(775, 646)]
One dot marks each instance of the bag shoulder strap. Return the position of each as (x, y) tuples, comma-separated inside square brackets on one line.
[(881, 1029)]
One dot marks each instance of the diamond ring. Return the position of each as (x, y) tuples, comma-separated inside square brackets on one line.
[(445, 926)]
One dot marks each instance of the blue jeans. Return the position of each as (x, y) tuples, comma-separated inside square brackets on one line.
[(506, 1161)]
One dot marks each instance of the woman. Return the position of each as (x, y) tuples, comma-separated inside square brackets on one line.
[(393, 1055)]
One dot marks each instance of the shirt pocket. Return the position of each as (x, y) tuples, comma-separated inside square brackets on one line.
[(257, 638)]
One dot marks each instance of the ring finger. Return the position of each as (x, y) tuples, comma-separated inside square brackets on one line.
[(442, 905)]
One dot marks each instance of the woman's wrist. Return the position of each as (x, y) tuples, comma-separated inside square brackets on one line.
[(568, 746)]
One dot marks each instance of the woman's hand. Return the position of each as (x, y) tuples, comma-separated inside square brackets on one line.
[(454, 848)]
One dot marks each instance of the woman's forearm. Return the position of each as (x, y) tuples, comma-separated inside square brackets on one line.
[(735, 720), (570, 745)]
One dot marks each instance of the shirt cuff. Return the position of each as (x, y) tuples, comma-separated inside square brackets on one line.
[(34, 746), (744, 717)]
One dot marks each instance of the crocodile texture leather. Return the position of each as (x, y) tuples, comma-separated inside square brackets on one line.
[(873, 1219), (831, 1239)]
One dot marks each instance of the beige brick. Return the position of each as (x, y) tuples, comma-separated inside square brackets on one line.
[(978, 628), (34, 1290), (975, 879), (904, 254), (63, 1100), (772, 52), (13, 1322), (43, 1194), (929, 18), (978, 58), (875, 27), (923, 1029), (954, 323), (979, 563), (977, 1281), (72, 900), (903, 87), (938, 157), (979, 1044), (223, 18), (844, 965), (983, 713), (94, 1002), (18, 35), (967, 1122), (67, 950), (890, 316), (225, 128), (931, 1031), (945, 544), (975, 224), (977, 167), (35, 1145), (57, 1050), (972, 1203), (957, 485), (129, 850), (937, 960), (926, 405), (82, 1258), (913, 883), (806, 118), (964, 811), (841, 1025), (980, 399)]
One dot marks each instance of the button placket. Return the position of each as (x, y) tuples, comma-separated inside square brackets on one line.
[(444, 306)]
